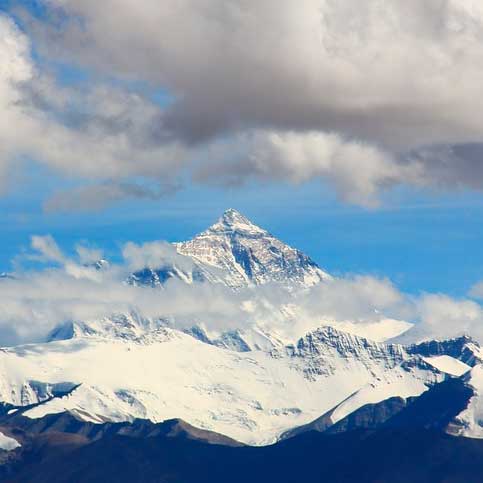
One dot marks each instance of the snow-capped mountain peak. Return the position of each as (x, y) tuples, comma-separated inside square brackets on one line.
[(237, 253), (249, 255), (232, 222)]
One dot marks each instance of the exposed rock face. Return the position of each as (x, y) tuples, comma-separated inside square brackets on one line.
[(65, 451), (370, 416), (187, 272), (68, 423), (236, 253), (326, 345), (248, 255), (438, 409), (463, 348)]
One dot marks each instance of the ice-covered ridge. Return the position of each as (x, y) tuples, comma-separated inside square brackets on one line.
[(252, 397), (463, 348)]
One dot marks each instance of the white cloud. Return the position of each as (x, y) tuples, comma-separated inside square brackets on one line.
[(34, 302), (398, 73), (100, 134), (47, 248), (88, 255), (442, 316), (353, 298), (364, 95), (154, 255), (358, 170)]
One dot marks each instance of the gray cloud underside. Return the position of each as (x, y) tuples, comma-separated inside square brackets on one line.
[(366, 95)]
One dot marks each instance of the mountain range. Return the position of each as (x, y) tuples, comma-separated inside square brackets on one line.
[(241, 386)]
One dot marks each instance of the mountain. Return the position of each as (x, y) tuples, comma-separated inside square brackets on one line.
[(237, 253), (254, 384), (469, 422), (252, 397), (439, 408)]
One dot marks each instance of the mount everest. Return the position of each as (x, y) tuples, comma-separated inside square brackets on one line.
[(237, 253), (253, 383)]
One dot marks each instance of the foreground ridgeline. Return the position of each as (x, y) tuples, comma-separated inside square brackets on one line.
[(63, 449)]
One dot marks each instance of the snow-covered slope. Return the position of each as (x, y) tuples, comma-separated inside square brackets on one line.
[(7, 443), (379, 331), (250, 396), (448, 364), (258, 335), (124, 326), (470, 422)]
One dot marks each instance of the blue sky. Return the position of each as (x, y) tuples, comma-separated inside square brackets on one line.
[(424, 236), (421, 242)]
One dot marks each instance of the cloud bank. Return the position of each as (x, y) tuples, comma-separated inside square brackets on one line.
[(34, 302), (362, 95)]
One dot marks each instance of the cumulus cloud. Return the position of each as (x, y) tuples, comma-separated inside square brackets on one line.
[(99, 134), (388, 71), (33, 306), (34, 302), (442, 316), (364, 95), (323, 64), (353, 298), (357, 169)]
